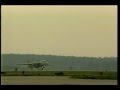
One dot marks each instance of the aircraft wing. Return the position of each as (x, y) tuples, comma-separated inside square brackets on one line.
[(25, 64), (37, 63)]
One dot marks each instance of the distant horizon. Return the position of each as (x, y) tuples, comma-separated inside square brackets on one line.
[(58, 55)]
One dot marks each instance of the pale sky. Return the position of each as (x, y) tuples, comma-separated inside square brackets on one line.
[(59, 30)]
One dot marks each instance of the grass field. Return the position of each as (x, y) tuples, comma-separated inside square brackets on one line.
[(72, 74)]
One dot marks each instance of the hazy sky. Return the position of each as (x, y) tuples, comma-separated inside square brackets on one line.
[(60, 30)]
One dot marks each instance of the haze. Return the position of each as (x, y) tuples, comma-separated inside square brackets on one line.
[(59, 30)]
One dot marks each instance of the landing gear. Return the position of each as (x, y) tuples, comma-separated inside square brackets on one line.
[(42, 68)]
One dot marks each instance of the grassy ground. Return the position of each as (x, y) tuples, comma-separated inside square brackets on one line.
[(72, 74)]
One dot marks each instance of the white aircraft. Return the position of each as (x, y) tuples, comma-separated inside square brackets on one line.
[(36, 65)]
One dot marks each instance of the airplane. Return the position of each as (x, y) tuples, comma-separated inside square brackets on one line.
[(36, 65)]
